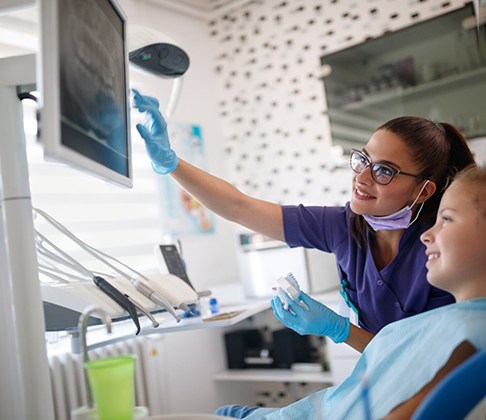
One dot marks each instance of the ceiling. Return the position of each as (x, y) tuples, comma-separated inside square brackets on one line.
[(18, 30), (18, 33), (201, 6), (204, 9)]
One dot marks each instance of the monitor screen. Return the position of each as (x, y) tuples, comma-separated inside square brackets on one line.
[(84, 117)]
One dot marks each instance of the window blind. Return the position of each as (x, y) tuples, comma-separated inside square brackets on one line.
[(124, 223)]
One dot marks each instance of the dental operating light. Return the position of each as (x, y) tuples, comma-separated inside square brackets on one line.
[(155, 53), (164, 60)]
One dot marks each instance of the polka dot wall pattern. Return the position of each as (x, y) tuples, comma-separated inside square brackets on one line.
[(273, 109)]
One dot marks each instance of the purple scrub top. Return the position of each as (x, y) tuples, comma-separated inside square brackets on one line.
[(397, 291)]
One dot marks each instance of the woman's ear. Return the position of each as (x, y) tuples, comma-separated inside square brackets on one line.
[(428, 191)]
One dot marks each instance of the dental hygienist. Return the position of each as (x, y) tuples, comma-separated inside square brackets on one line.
[(399, 178)]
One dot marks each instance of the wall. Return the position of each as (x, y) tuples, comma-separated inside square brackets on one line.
[(273, 140), (275, 127), (254, 85), (197, 105)]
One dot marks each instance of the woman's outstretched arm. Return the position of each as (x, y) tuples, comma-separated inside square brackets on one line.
[(227, 201)]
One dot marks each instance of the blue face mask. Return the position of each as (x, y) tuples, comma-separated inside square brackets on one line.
[(398, 220)]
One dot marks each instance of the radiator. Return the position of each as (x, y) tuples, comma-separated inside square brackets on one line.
[(67, 376)]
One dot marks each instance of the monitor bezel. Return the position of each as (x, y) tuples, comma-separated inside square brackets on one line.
[(50, 102)]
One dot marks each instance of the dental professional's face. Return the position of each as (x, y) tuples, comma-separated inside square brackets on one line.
[(455, 244), (369, 197)]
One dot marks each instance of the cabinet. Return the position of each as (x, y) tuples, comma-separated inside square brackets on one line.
[(272, 387), (435, 69), (280, 387)]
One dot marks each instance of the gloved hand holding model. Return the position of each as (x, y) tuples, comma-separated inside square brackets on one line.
[(318, 319), (154, 132)]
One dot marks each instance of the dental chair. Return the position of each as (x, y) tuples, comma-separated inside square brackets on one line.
[(454, 398), (189, 416), (458, 393)]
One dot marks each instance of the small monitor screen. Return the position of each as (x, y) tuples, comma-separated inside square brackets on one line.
[(86, 122)]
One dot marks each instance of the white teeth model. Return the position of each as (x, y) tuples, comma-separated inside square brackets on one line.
[(433, 256), (289, 288)]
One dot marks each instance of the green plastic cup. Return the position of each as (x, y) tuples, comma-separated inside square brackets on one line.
[(111, 382)]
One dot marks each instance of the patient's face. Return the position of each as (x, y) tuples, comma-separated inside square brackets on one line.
[(456, 243)]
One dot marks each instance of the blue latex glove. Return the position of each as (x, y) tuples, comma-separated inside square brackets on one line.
[(154, 132), (317, 320)]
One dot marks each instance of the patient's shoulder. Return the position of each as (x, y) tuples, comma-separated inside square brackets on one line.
[(460, 354)]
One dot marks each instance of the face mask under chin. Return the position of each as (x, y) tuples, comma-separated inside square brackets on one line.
[(401, 219)]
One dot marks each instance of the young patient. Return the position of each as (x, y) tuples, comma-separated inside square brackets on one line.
[(407, 358)]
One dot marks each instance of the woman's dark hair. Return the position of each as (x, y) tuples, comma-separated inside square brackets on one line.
[(438, 149)]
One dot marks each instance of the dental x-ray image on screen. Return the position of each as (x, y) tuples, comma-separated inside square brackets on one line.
[(85, 88)]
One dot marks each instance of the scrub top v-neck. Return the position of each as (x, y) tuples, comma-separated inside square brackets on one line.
[(397, 291)]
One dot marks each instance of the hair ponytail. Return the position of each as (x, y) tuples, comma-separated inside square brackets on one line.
[(459, 156)]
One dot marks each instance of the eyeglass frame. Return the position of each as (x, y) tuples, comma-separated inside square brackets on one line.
[(370, 164)]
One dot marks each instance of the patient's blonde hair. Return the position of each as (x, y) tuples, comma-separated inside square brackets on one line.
[(473, 179)]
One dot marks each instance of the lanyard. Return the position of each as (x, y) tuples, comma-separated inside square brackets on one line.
[(348, 309)]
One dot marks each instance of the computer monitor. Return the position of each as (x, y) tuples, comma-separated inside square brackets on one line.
[(84, 113)]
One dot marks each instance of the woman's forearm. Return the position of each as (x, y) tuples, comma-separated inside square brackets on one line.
[(228, 202), (358, 338), (214, 193)]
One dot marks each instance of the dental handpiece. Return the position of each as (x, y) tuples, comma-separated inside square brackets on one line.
[(151, 294), (119, 298), (142, 309)]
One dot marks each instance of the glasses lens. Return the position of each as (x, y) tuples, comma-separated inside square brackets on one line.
[(383, 174), (358, 161)]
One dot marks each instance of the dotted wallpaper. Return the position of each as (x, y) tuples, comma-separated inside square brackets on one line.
[(275, 128)]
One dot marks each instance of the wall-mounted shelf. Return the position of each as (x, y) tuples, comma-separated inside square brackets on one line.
[(273, 375), (435, 69), (124, 330), (450, 82)]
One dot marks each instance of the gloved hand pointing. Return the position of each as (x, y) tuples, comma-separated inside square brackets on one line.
[(317, 320), (154, 132)]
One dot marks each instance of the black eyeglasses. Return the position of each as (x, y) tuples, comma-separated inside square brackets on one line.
[(382, 173)]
